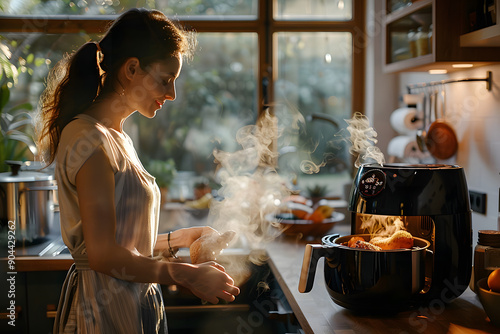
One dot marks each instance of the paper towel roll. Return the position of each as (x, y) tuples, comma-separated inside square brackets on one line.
[(406, 120), (403, 147)]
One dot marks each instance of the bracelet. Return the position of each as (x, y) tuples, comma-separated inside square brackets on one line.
[(170, 250)]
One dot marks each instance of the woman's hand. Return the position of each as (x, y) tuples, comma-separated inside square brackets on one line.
[(208, 281), (184, 237), (194, 233), (209, 246)]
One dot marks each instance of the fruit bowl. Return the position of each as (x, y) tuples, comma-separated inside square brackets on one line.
[(490, 301), (291, 226)]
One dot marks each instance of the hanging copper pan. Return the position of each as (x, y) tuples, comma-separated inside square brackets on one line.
[(441, 140)]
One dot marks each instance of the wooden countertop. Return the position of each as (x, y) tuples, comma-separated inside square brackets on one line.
[(318, 314), (40, 263)]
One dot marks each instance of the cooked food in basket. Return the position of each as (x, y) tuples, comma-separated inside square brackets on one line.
[(399, 240)]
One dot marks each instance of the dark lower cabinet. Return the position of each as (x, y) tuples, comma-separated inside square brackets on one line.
[(260, 308), (43, 290), (36, 297), (13, 302)]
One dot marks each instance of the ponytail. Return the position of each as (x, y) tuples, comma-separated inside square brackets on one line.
[(72, 87), (75, 83)]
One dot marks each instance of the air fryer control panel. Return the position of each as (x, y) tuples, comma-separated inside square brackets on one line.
[(372, 183)]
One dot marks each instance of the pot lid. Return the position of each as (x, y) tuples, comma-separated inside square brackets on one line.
[(25, 177)]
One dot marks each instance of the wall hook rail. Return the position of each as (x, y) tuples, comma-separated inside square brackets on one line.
[(488, 80)]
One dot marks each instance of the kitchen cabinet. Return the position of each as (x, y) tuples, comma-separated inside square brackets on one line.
[(20, 323), (443, 22), (36, 297), (43, 291), (485, 37)]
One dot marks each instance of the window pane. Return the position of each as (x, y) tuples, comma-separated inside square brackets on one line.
[(313, 93), (98, 7), (216, 95), (211, 7), (39, 52), (328, 10)]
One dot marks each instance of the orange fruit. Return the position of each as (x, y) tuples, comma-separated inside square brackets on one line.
[(320, 213), (494, 280)]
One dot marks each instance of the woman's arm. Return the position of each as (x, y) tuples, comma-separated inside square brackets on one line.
[(182, 238), (95, 187)]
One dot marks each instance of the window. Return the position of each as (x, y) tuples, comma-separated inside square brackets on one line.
[(300, 59)]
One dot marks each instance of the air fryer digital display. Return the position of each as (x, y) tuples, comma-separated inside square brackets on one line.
[(372, 183)]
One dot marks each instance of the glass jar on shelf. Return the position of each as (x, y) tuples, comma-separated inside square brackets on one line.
[(422, 41), (412, 42)]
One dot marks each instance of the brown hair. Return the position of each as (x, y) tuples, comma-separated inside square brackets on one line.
[(76, 81)]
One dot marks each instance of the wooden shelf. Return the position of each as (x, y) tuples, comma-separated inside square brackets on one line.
[(449, 43), (486, 37), (418, 62)]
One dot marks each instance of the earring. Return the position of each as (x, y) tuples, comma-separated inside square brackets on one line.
[(123, 89)]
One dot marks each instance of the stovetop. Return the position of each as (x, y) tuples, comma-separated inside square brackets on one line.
[(51, 245)]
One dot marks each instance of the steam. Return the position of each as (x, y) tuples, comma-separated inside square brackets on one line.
[(250, 186), (382, 226), (252, 189), (309, 167), (363, 140)]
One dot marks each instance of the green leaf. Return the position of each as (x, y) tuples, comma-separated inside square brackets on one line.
[(23, 106), (30, 58), (19, 136), (5, 50), (39, 61), (18, 124), (4, 96)]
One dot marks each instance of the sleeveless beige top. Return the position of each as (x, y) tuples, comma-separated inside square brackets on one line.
[(92, 302)]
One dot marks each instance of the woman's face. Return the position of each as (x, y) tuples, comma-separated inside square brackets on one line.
[(155, 85)]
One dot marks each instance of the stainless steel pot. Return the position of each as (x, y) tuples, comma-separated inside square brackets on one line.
[(365, 280), (29, 199)]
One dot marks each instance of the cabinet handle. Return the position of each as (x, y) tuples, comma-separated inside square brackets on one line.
[(51, 311), (6, 315), (51, 314)]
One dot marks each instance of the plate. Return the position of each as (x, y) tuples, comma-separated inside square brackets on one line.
[(295, 227)]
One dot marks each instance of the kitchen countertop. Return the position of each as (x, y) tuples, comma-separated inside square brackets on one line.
[(318, 314)]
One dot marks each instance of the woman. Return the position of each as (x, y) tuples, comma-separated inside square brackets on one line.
[(109, 203)]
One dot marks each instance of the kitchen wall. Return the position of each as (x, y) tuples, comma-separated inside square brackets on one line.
[(473, 111)]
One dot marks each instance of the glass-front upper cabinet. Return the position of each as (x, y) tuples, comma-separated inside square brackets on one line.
[(422, 35)]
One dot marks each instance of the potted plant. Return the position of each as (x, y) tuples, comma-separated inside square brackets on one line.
[(164, 171), (317, 192), (16, 125)]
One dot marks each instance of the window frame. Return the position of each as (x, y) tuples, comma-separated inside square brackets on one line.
[(264, 25)]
